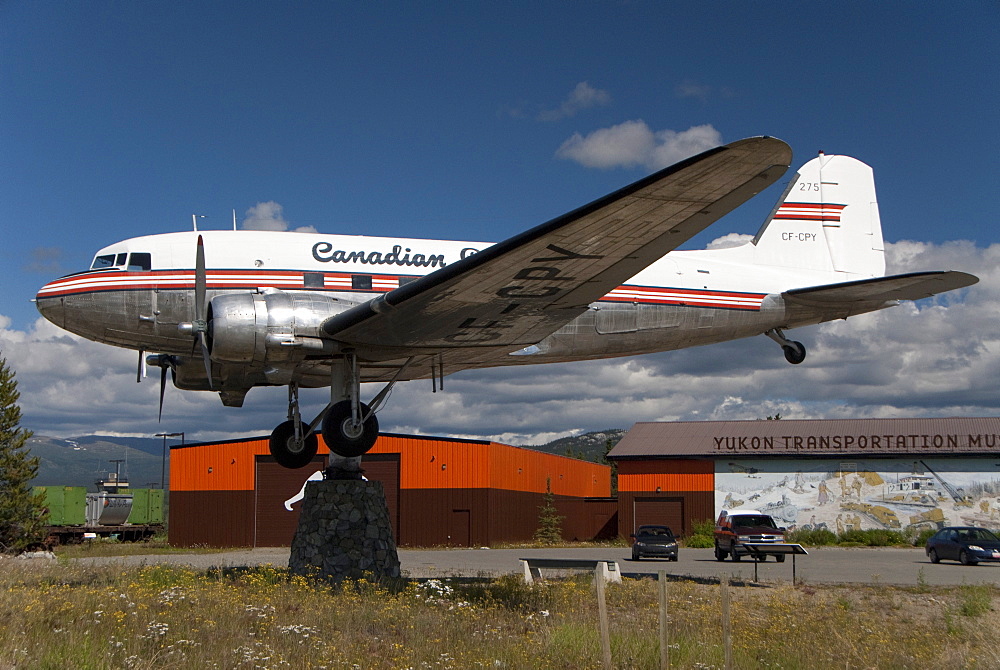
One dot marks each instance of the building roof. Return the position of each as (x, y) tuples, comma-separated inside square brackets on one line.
[(811, 438)]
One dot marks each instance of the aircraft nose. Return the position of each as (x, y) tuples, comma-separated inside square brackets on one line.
[(51, 308)]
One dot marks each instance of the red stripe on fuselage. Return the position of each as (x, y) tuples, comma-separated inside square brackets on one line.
[(181, 280)]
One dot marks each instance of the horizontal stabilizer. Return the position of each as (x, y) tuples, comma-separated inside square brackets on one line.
[(912, 286)]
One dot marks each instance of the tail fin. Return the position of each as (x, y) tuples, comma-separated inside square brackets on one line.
[(827, 219)]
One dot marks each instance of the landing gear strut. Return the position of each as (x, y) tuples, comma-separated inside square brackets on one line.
[(349, 426), (795, 352)]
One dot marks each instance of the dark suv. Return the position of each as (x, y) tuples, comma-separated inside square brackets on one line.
[(735, 528)]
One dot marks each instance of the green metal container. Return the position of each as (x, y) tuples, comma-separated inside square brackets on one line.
[(74, 505), (140, 507), (147, 506), (155, 505), (54, 503)]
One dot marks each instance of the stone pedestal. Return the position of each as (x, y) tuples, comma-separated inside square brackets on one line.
[(344, 532)]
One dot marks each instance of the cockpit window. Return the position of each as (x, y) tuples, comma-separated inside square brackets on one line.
[(103, 262), (139, 262), (120, 260)]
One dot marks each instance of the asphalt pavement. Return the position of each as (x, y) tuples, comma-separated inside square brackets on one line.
[(824, 565)]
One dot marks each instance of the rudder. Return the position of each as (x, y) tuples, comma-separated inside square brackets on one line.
[(826, 220)]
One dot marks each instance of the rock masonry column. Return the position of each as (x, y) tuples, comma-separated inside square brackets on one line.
[(344, 532)]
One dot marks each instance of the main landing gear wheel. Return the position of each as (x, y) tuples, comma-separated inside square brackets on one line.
[(287, 451), (795, 352), (345, 439)]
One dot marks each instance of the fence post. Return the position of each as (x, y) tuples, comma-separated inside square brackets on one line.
[(727, 642), (661, 578), (602, 609)]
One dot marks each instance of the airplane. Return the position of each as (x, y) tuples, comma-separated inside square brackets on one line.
[(228, 311)]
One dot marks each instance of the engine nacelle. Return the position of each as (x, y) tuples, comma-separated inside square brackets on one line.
[(253, 328)]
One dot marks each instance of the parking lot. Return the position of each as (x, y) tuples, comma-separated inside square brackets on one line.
[(824, 565)]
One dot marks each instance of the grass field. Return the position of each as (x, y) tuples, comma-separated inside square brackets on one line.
[(61, 615)]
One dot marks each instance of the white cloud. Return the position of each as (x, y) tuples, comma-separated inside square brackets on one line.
[(691, 89), (730, 240), (45, 260), (270, 216), (584, 96), (634, 143), (939, 357)]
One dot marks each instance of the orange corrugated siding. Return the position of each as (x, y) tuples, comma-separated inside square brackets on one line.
[(667, 475), (424, 464), (517, 469), (219, 467)]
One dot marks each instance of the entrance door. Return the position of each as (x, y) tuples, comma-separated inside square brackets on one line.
[(460, 528), (661, 512)]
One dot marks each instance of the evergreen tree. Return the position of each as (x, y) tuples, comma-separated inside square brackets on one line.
[(22, 515), (549, 522)]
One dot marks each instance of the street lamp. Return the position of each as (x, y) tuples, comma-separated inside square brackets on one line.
[(163, 462)]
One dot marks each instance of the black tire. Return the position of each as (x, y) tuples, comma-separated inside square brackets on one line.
[(795, 352), (674, 557), (736, 556), (761, 558), (286, 452), (338, 436), (780, 558), (636, 556), (965, 559), (719, 554), (932, 554)]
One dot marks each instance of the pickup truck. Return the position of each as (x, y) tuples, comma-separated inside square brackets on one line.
[(735, 528)]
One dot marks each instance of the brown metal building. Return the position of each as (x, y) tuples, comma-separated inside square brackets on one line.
[(862, 472), (439, 492)]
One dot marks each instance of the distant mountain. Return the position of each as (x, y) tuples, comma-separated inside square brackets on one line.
[(84, 460), (81, 461), (587, 447)]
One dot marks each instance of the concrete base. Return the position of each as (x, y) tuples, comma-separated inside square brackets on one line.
[(344, 532)]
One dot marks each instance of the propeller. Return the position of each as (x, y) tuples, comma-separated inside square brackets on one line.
[(200, 308), (164, 362), (199, 325)]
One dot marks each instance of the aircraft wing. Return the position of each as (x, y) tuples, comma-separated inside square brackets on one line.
[(912, 286), (515, 293)]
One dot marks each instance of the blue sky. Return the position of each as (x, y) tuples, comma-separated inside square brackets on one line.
[(446, 120)]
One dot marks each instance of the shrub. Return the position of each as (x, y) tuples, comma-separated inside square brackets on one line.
[(921, 538), (813, 537), (702, 536), (875, 537)]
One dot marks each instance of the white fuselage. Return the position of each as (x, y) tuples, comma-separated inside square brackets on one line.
[(139, 290)]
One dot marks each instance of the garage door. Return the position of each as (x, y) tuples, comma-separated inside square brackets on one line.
[(384, 468), (661, 512), (275, 524), (276, 485)]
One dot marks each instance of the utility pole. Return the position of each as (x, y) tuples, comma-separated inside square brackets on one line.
[(163, 461)]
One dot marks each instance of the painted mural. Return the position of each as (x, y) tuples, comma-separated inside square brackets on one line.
[(895, 494)]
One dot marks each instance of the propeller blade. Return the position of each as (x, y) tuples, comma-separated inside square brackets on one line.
[(138, 369), (201, 308), (199, 282), (203, 338), (163, 387)]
